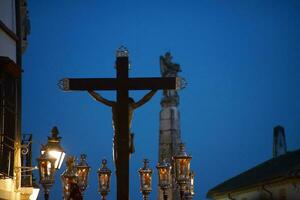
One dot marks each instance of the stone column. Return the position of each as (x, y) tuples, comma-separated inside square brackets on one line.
[(169, 139), (169, 130)]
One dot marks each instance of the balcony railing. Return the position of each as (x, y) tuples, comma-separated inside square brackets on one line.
[(7, 151), (26, 158)]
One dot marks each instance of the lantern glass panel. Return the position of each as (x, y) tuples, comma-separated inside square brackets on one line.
[(66, 183), (82, 174), (43, 169), (58, 155), (46, 168), (82, 169), (104, 182), (145, 178), (164, 176), (191, 184), (183, 168), (146, 181)]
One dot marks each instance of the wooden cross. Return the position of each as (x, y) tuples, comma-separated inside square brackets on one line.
[(122, 84)]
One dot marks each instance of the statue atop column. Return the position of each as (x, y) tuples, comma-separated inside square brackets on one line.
[(170, 69), (167, 67)]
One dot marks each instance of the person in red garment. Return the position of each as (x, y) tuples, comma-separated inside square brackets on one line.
[(75, 193)]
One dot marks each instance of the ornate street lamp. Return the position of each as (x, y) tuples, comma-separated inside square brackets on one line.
[(189, 194), (69, 179), (54, 148), (182, 169), (104, 179), (46, 165), (146, 179), (164, 177), (82, 170)]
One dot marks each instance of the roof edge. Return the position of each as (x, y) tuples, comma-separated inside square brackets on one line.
[(210, 194)]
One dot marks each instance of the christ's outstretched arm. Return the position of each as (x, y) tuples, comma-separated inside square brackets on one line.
[(99, 98), (144, 100)]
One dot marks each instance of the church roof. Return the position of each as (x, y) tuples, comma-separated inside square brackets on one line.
[(284, 166)]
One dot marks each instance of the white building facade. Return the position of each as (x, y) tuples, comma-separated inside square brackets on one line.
[(14, 28)]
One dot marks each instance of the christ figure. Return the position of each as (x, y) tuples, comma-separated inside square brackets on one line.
[(131, 107)]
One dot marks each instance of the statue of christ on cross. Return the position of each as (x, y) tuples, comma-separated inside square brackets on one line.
[(131, 107)]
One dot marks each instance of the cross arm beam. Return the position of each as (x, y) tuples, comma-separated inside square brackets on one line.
[(152, 83), (68, 84)]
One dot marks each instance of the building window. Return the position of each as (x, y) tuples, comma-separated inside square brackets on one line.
[(7, 122)]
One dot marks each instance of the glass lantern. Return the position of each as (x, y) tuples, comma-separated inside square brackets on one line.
[(145, 179), (82, 170), (164, 177), (164, 174), (104, 174), (46, 165), (182, 168), (54, 148), (69, 178)]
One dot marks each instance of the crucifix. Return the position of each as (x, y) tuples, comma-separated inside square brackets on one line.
[(122, 108)]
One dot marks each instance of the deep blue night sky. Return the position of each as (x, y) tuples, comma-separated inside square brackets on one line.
[(241, 60)]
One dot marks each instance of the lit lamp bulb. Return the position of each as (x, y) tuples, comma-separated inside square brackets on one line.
[(54, 148)]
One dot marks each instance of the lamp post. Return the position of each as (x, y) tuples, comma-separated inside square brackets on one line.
[(82, 170), (182, 169), (54, 148), (164, 177), (145, 179), (69, 180), (46, 165), (104, 174)]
